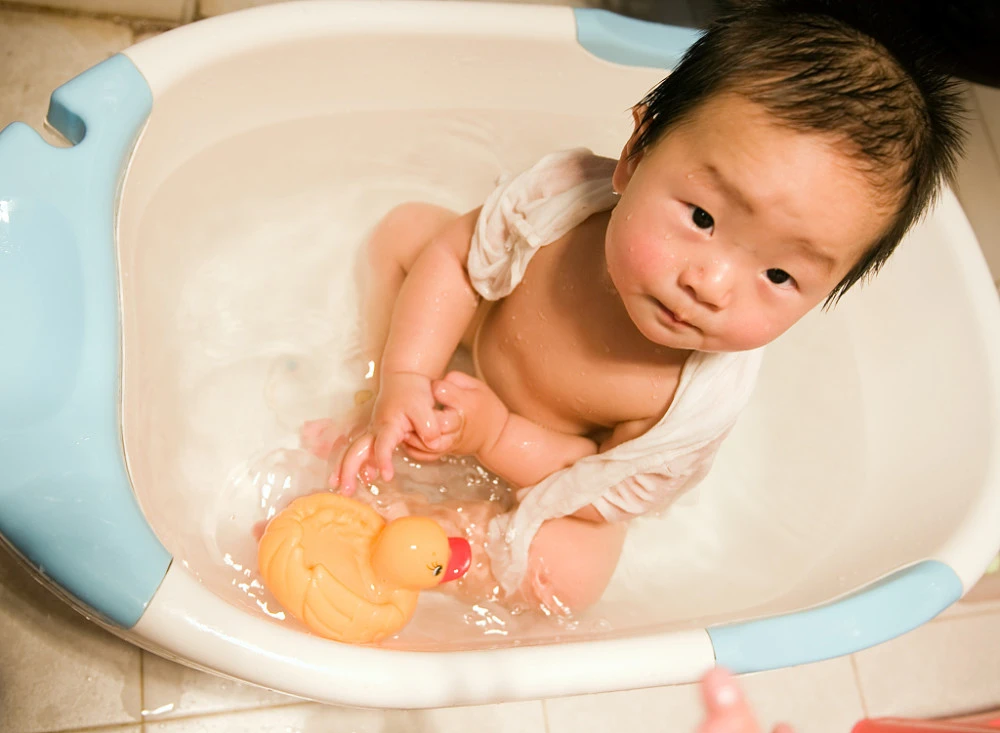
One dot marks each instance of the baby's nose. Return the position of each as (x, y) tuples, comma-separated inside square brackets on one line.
[(709, 281)]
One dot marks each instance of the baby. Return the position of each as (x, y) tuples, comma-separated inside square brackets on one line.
[(616, 309)]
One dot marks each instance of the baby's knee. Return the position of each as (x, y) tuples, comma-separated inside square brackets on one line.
[(402, 233), (572, 561)]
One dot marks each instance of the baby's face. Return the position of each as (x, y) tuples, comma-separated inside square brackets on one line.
[(731, 228)]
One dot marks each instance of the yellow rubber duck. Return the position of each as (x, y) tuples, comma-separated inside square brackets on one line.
[(336, 565)]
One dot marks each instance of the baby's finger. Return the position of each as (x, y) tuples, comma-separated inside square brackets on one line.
[(424, 422), (335, 461), (461, 379), (449, 421), (448, 394), (356, 455), (385, 444), (420, 455)]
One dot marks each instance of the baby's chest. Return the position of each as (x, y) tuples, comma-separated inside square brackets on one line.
[(562, 363)]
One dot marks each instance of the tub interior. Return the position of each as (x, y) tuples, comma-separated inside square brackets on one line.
[(248, 197)]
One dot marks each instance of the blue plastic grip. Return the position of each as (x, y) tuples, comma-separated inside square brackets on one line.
[(882, 611), (66, 502), (631, 42)]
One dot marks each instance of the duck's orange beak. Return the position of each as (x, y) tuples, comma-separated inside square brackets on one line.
[(461, 559)]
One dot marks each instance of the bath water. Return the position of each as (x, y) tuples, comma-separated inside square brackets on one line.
[(243, 286)]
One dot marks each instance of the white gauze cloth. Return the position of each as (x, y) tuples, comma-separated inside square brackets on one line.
[(524, 213)]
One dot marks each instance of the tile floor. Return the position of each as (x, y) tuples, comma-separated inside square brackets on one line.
[(58, 672)]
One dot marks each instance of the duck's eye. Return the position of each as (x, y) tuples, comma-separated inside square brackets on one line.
[(438, 569)]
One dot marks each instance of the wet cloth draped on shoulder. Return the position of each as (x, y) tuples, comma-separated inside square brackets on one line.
[(523, 214)]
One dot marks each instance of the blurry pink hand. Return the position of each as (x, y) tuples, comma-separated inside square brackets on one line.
[(726, 709)]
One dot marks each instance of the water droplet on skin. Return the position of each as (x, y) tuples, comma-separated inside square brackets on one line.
[(628, 217)]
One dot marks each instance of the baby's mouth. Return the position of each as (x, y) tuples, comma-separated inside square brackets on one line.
[(671, 317)]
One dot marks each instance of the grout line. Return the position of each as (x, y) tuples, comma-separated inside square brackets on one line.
[(101, 728), (857, 683), (150, 720), (545, 717), (137, 24), (142, 683)]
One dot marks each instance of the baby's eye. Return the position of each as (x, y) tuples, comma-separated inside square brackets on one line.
[(779, 277), (701, 218)]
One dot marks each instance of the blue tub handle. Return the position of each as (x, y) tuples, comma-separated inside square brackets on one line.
[(632, 42), (66, 502), (876, 613)]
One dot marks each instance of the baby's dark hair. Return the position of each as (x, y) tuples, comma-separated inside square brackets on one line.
[(893, 107)]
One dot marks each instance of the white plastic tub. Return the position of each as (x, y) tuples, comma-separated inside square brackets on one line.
[(857, 498)]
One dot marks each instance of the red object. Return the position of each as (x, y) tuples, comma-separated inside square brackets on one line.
[(461, 558), (973, 724)]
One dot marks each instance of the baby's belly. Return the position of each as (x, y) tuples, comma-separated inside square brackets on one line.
[(535, 375)]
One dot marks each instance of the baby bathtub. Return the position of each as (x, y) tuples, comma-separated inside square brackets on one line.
[(150, 277)]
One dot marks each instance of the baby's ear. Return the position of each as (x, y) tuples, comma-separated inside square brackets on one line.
[(630, 158)]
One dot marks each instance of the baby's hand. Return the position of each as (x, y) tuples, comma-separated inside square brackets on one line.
[(481, 414), (404, 409)]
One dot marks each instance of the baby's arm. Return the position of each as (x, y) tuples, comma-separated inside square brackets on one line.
[(434, 306)]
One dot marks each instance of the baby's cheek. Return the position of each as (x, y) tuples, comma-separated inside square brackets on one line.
[(652, 251), (753, 332)]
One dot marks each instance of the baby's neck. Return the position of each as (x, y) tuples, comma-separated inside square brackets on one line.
[(595, 278)]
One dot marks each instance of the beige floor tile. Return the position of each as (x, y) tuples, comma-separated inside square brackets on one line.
[(57, 670), (978, 184), (657, 710), (144, 35), (943, 668), (39, 52), (816, 698), (970, 608), (312, 718), (171, 690), (521, 717), (989, 106), (173, 10), (301, 718)]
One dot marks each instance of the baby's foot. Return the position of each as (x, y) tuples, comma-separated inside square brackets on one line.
[(321, 438), (257, 531)]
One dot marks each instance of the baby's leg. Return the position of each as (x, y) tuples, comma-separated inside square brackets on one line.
[(571, 562), (394, 246)]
